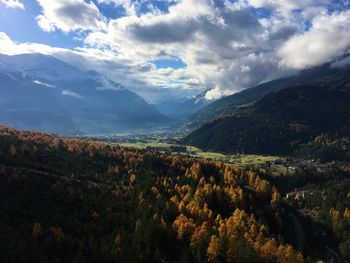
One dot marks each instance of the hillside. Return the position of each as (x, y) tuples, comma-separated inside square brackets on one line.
[(311, 118), (42, 93), (227, 106), (69, 200)]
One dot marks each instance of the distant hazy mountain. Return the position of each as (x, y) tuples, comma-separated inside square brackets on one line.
[(310, 118), (40, 92), (227, 106), (180, 109)]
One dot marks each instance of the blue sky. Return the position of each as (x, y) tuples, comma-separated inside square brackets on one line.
[(21, 26), (180, 47), (175, 63)]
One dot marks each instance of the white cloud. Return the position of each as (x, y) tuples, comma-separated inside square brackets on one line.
[(13, 4), (5, 42), (217, 93), (328, 38), (222, 47), (70, 93), (226, 46), (43, 84), (131, 75), (70, 15)]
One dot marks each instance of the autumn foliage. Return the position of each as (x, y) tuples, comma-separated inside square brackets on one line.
[(94, 202)]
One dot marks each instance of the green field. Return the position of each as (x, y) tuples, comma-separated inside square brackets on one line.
[(144, 145), (241, 160)]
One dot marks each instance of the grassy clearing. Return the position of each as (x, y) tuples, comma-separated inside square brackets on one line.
[(241, 160), (144, 145)]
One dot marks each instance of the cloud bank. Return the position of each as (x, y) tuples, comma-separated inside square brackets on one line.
[(70, 15), (328, 38), (226, 46), (13, 4)]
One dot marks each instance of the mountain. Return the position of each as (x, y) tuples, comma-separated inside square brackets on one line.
[(41, 92), (42, 66), (313, 117), (180, 109), (226, 106)]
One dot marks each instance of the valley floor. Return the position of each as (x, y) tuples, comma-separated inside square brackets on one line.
[(154, 200)]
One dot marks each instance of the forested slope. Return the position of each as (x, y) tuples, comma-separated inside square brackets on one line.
[(227, 106), (311, 120), (69, 200)]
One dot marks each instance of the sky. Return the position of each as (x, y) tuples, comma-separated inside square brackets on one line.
[(175, 48)]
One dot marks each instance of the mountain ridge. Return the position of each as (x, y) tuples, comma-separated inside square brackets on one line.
[(308, 117), (182, 108), (50, 95), (226, 106)]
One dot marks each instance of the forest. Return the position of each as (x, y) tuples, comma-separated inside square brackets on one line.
[(74, 200), (309, 121)]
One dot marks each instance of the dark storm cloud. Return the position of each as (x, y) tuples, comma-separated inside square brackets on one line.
[(164, 32)]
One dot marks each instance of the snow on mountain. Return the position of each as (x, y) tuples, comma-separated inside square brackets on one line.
[(47, 94)]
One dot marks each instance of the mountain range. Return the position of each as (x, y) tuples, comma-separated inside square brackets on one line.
[(312, 118), (227, 106), (40, 92), (183, 108)]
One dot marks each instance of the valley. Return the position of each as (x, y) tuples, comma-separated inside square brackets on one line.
[(41, 92), (206, 205), (174, 131), (258, 176)]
